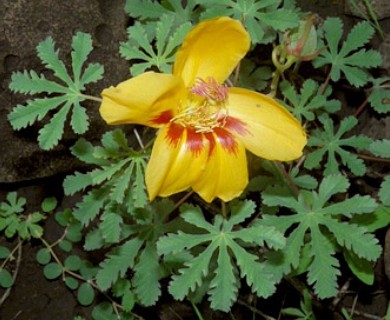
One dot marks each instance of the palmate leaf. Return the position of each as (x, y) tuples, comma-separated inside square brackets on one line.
[(66, 91), (305, 104), (117, 263), (330, 143), (120, 174), (350, 59), (147, 275), (139, 47), (262, 19), (318, 223), (220, 244), (178, 11), (380, 148), (380, 95)]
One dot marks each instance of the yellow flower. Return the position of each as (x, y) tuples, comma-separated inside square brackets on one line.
[(205, 126)]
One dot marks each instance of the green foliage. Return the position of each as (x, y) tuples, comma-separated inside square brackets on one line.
[(253, 77), (177, 11), (64, 96), (351, 58), (119, 181), (330, 143), (380, 148), (166, 37), (13, 221), (380, 95), (306, 104), (316, 215), (305, 311), (224, 242), (262, 18)]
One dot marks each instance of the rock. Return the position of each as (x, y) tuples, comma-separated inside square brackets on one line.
[(23, 25), (380, 7)]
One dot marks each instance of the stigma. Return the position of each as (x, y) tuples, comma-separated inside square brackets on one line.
[(204, 109)]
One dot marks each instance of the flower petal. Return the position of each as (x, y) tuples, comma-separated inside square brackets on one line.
[(212, 49), (178, 157), (149, 99), (226, 173), (266, 128)]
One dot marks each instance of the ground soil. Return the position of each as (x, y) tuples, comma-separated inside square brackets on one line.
[(36, 175)]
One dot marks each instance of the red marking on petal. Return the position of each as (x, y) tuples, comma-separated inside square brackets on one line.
[(194, 141), (226, 140), (236, 125), (163, 117), (174, 134), (211, 139)]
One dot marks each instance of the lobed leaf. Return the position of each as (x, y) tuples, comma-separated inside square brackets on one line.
[(117, 263), (147, 275)]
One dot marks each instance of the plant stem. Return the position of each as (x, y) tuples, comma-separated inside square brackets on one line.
[(254, 310), (198, 314), (88, 97), (361, 108), (325, 84), (16, 271), (81, 278), (223, 209)]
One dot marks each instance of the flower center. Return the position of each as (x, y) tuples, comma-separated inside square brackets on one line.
[(205, 107)]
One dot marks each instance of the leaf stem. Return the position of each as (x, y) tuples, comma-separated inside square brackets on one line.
[(16, 271), (81, 278), (88, 97), (198, 314), (361, 108), (325, 84)]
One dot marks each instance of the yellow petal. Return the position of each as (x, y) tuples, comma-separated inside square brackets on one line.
[(211, 49), (265, 127), (178, 157), (226, 173), (149, 99)]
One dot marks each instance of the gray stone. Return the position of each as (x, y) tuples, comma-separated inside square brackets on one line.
[(380, 7), (23, 25)]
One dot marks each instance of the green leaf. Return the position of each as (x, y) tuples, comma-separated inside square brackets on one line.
[(51, 133), (43, 256), (65, 245), (72, 263), (6, 280), (380, 98), (361, 268), (71, 283), (224, 286), (52, 271), (384, 192), (91, 204), (117, 263), (77, 182), (79, 120), (94, 240), (378, 219), (309, 101), (24, 116), (63, 97), (380, 148), (49, 204), (167, 39), (4, 252), (82, 46), (351, 59), (147, 275), (330, 143), (261, 18), (85, 294), (323, 270), (111, 225)]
